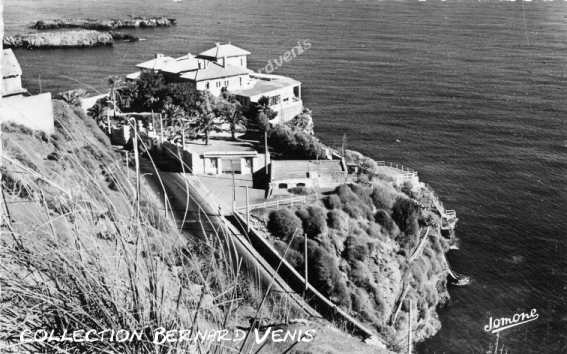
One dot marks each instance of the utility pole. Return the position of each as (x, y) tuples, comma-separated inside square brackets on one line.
[(305, 265), (409, 328), (137, 162), (247, 210), (2, 54), (267, 154), (233, 190)]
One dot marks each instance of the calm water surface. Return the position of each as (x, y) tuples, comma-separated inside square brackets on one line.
[(472, 94)]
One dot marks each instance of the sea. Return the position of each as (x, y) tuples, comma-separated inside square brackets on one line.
[(472, 94)]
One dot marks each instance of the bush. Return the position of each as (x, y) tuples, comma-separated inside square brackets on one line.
[(352, 204), (355, 250), (374, 230), (337, 219), (301, 190), (333, 202), (383, 196), (323, 271), (385, 220), (405, 213), (295, 144), (295, 258), (283, 224), (314, 220)]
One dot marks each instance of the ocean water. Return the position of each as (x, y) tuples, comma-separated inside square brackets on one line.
[(471, 94)]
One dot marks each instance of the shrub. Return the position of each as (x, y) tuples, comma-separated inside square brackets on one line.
[(355, 250), (362, 192), (385, 220), (295, 144), (405, 213), (337, 219), (374, 230), (301, 190), (333, 202), (283, 224), (323, 272), (314, 220), (383, 196), (359, 273), (352, 204), (294, 257)]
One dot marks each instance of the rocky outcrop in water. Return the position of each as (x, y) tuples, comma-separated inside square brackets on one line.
[(105, 25), (66, 39)]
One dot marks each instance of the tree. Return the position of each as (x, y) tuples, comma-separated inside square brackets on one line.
[(230, 110), (150, 92), (205, 117)]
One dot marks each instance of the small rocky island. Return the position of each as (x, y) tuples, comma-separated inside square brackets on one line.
[(82, 33), (105, 25)]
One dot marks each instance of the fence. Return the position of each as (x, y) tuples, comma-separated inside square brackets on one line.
[(302, 200)]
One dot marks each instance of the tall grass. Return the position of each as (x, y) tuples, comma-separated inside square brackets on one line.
[(94, 261)]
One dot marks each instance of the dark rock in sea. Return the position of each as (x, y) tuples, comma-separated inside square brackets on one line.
[(59, 39), (105, 25), (121, 36)]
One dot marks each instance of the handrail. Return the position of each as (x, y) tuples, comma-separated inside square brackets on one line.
[(324, 300), (276, 203)]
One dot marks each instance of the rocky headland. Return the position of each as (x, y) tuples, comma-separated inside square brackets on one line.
[(66, 39)]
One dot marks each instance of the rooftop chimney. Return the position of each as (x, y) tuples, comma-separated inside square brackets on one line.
[(159, 55)]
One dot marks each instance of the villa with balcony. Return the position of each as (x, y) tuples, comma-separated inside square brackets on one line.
[(224, 68)]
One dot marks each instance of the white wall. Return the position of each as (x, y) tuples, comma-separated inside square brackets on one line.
[(35, 112), (231, 83), (11, 85)]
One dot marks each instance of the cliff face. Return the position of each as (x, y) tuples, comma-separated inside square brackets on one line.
[(375, 249)]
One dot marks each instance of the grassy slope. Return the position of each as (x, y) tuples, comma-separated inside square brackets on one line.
[(77, 256)]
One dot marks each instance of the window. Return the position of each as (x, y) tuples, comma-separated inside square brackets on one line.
[(208, 85), (274, 100), (240, 80), (282, 186), (300, 185), (241, 61)]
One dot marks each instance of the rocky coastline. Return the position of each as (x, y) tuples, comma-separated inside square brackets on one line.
[(66, 39), (105, 25)]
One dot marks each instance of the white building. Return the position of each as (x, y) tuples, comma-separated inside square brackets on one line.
[(224, 68), (35, 112), (11, 75)]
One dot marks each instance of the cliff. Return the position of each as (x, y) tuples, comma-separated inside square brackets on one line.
[(105, 25), (375, 248)]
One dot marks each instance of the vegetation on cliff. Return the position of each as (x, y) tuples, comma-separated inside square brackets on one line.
[(360, 238)]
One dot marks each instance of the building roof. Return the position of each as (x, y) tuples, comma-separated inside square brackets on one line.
[(168, 64), (158, 63), (298, 169), (224, 50), (264, 85), (222, 147), (10, 64), (215, 71)]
